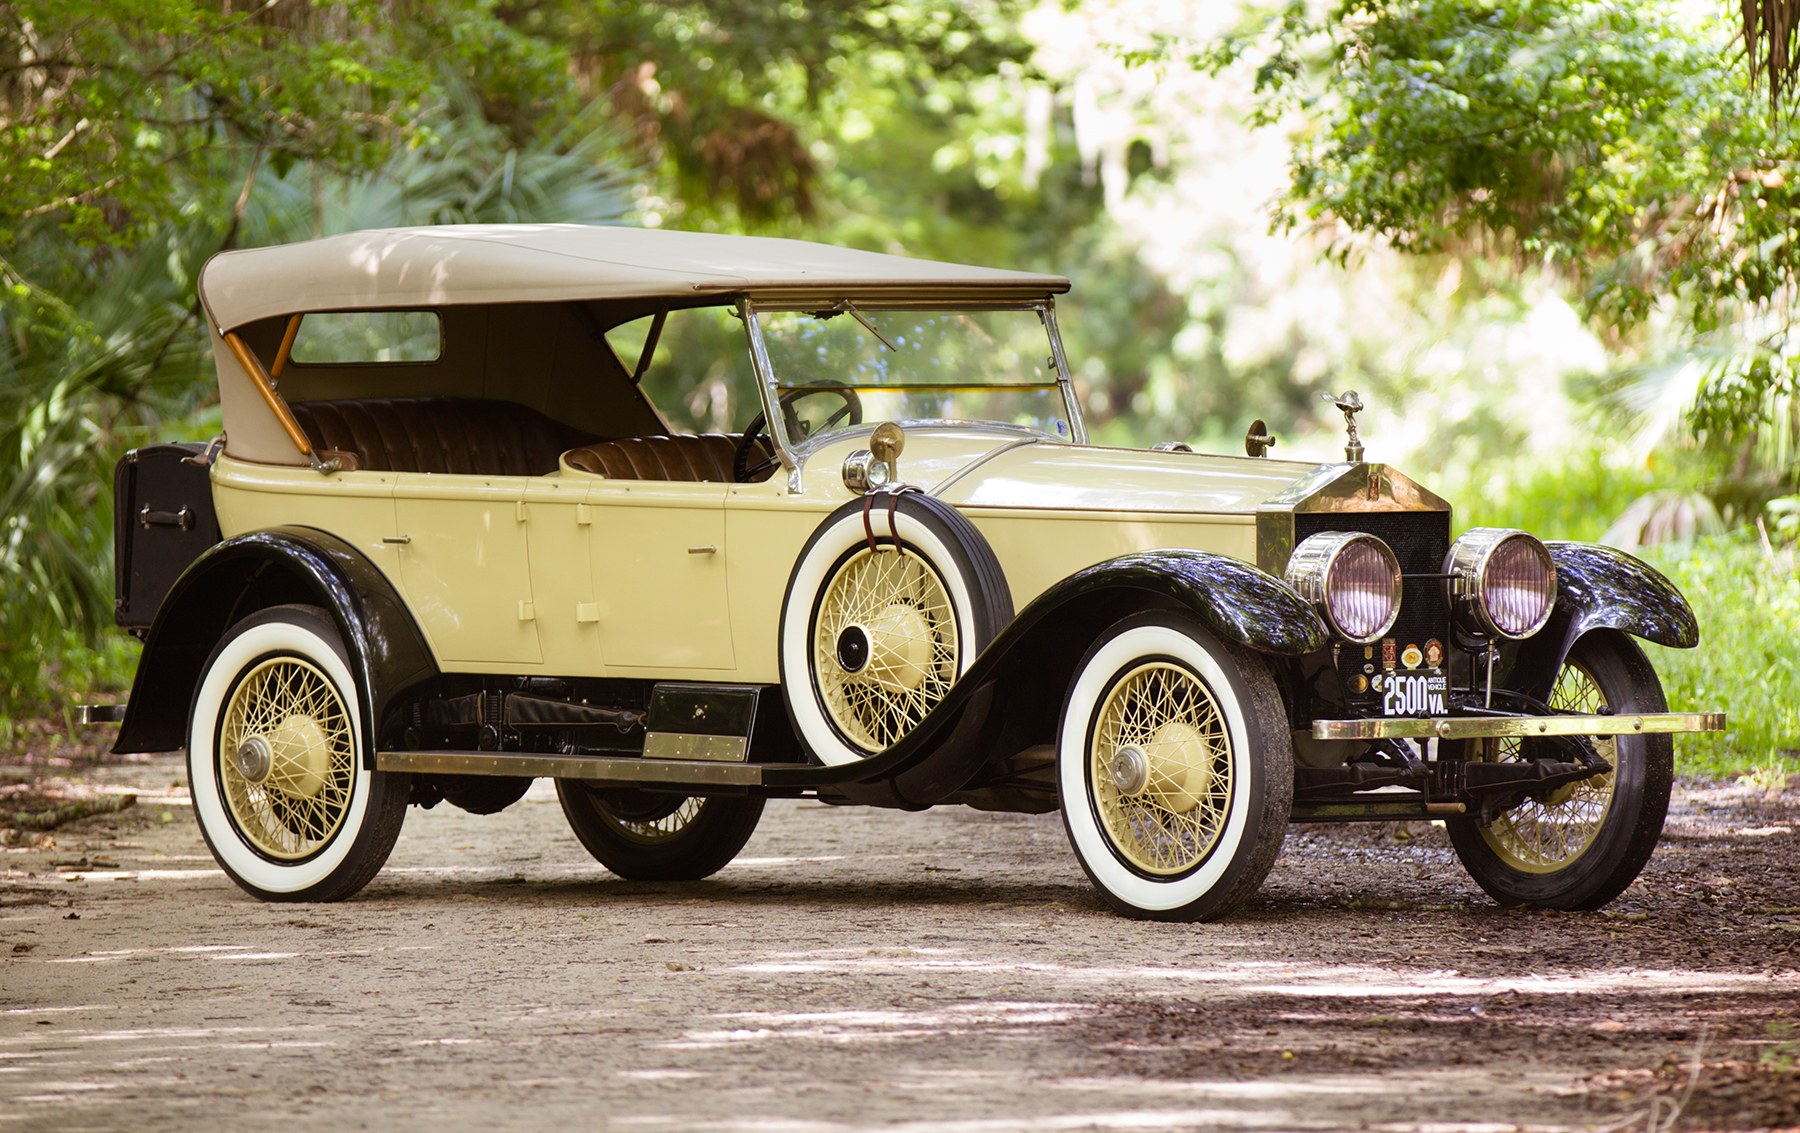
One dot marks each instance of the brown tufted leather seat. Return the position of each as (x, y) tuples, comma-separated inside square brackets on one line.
[(457, 435), (702, 457)]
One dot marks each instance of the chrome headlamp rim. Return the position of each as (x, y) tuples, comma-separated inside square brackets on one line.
[(1309, 573), (1468, 563), (862, 473)]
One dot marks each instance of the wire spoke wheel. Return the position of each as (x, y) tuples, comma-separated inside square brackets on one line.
[(281, 784), (1176, 769), (885, 647), (286, 759), (1579, 845), (658, 822), (1541, 836), (1161, 769), (891, 599), (649, 836)]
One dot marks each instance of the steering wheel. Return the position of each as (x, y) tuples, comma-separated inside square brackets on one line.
[(743, 471)]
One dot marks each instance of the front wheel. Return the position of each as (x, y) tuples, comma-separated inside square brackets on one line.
[(286, 800), (1580, 845), (1176, 770), (645, 836)]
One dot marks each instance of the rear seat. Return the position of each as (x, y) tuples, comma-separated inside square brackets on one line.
[(455, 435)]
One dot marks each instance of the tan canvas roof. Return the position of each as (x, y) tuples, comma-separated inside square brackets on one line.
[(525, 263)]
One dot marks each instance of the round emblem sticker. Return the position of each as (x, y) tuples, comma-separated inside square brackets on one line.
[(1411, 657), (1434, 653)]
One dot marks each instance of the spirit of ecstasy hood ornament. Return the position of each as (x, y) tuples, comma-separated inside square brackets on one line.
[(1351, 404)]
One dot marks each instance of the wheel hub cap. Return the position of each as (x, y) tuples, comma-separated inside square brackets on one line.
[(1180, 766), (302, 755), (900, 642), (254, 759), (853, 649), (1130, 770)]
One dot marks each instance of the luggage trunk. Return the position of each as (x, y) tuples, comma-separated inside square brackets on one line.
[(163, 520)]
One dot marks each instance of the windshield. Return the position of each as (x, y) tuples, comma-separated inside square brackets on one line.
[(978, 365)]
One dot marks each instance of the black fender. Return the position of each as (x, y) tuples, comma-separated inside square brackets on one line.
[(250, 572), (1018, 682), (1601, 588)]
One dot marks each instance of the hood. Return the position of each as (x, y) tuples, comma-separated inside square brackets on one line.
[(1059, 477)]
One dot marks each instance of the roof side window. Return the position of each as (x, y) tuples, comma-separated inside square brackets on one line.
[(335, 338), (698, 372)]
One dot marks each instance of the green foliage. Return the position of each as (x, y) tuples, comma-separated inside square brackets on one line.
[(1748, 603), (739, 102), (107, 105), (1616, 141)]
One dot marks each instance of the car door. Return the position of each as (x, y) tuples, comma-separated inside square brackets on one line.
[(466, 569), (659, 561)]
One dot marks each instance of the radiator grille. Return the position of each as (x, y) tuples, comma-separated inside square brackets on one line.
[(1420, 540)]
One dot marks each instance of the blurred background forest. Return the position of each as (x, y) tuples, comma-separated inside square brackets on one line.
[(1552, 242)]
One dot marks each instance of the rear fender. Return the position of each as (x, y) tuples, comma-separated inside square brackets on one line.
[(239, 576)]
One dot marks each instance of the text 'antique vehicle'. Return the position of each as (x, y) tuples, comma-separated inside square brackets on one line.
[(448, 544)]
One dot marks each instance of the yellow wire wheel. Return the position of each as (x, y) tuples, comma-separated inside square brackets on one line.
[(1161, 768), (280, 780), (650, 836), (1176, 768), (1579, 845), (286, 758), (889, 602), (1543, 836), (885, 646)]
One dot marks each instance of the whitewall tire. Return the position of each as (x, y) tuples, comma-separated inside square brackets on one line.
[(873, 638), (276, 762), (1175, 767)]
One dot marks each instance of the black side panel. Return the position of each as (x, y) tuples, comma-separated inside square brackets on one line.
[(163, 520), (388, 654)]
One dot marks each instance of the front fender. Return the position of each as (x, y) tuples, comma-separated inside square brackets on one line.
[(1019, 680), (1601, 588), (1233, 599), (239, 576)]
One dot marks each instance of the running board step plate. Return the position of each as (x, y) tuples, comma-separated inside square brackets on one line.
[(593, 769)]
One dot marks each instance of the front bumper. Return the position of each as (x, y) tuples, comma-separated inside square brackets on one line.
[(1483, 727)]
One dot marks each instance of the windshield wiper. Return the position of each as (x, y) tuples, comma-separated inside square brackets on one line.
[(856, 313)]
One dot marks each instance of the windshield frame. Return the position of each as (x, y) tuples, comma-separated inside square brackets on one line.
[(793, 454)]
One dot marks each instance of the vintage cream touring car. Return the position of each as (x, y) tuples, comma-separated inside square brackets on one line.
[(447, 544)]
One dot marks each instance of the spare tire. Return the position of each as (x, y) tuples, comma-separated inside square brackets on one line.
[(890, 601)]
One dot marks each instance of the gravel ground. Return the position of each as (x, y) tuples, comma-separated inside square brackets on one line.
[(860, 969)]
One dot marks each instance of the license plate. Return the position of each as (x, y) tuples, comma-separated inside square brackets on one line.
[(1415, 694)]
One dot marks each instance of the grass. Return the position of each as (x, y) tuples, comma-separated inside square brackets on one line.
[(1748, 664), (1745, 594)]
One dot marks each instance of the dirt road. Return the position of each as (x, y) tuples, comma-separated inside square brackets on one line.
[(874, 970)]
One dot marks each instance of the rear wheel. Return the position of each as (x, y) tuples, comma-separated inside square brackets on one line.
[(1580, 845), (1176, 770), (277, 766), (645, 836)]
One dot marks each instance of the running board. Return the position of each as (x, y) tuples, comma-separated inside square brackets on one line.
[(593, 769)]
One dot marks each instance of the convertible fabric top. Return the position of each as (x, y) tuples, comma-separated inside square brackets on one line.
[(535, 263)]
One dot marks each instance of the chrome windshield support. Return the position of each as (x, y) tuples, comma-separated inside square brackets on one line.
[(771, 396), (1064, 380), (1483, 727)]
